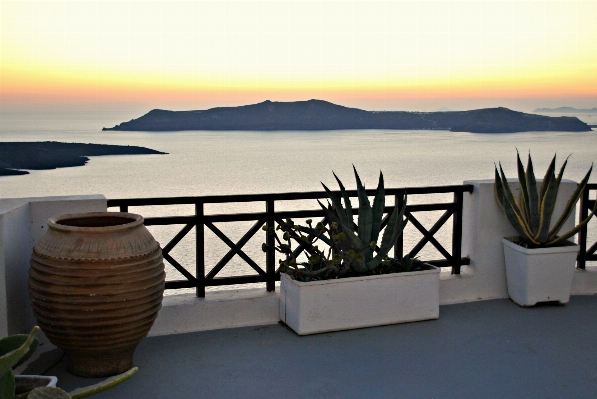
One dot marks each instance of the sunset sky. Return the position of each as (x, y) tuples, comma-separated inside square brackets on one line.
[(395, 55)]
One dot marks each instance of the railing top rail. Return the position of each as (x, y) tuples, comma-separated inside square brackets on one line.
[(215, 199), (592, 186)]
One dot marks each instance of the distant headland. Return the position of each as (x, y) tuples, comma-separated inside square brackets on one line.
[(567, 110), (323, 115), (16, 156)]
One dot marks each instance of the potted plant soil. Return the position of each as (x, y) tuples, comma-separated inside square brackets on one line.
[(350, 282), (540, 261)]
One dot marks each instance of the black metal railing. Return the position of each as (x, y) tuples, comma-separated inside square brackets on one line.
[(200, 279), (586, 206)]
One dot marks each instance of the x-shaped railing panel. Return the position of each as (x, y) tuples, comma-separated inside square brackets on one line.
[(428, 235), (166, 251), (235, 249), (200, 220)]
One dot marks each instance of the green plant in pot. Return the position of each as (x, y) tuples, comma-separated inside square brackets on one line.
[(539, 261), (344, 253), (350, 250), (16, 349)]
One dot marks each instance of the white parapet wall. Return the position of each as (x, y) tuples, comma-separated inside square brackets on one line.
[(218, 310), (484, 224), (22, 223)]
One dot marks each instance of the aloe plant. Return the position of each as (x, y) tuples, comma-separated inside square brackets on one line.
[(351, 249), (14, 350), (369, 223), (531, 213)]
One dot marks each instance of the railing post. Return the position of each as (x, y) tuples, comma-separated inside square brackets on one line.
[(270, 256), (200, 249), (457, 232), (124, 208), (399, 246), (582, 234)]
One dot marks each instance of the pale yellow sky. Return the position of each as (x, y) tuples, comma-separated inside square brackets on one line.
[(374, 55)]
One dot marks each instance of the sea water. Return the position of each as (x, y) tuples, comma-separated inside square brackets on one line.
[(231, 162)]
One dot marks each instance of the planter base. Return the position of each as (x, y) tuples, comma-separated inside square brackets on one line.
[(539, 274), (99, 363), (356, 302)]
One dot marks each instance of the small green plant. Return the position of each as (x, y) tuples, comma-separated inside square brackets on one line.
[(350, 250), (403, 265), (531, 214), (409, 264), (14, 350)]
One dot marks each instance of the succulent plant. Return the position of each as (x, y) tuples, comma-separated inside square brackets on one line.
[(350, 249), (14, 350), (531, 214), (409, 264)]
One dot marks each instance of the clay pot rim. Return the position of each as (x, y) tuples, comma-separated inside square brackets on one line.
[(136, 220)]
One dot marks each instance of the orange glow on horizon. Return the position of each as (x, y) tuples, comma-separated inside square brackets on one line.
[(31, 86), (387, 55)]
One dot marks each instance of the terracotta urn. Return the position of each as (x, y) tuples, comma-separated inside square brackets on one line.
[(96, 284)]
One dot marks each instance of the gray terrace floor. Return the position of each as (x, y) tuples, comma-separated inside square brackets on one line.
[(487, 349)]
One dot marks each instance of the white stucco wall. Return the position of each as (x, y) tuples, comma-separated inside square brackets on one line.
[(484, 224), (22, 223)]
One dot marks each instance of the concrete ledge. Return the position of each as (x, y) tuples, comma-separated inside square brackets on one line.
[(219, 309), (584, 282)]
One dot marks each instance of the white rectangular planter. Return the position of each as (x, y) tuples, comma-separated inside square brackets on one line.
[(355, 302), (539, 274)]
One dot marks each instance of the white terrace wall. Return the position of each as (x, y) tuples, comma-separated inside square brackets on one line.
[(484, 224), (483, 227), (22, 223)]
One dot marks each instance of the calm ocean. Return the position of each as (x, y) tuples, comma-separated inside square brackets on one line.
[(210, 163)]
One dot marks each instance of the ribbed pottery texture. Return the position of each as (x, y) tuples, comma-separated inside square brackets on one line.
[(96, 284)]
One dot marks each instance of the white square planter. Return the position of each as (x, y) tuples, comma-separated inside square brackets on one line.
[(539, 274), (355, 302)]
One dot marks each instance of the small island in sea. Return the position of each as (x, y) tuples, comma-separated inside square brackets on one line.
[(567, 110), (322, 115), (16, 156)]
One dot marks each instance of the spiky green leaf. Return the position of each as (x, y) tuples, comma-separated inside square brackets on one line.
[(10, 359), (512, 208), (533, 203), (570, 205), (379, 202), (13, 342), (337, 206), (104, 385), (393, 231), (365, 211), (524, 188), (396, 224), (498, 189), (7, 385), (347, 204), (547, 206), (517, 222), (565, 236), (547, 179)]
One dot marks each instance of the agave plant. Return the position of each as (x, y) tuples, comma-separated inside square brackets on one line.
[(350, 249), (531, 214), (14, 350)]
